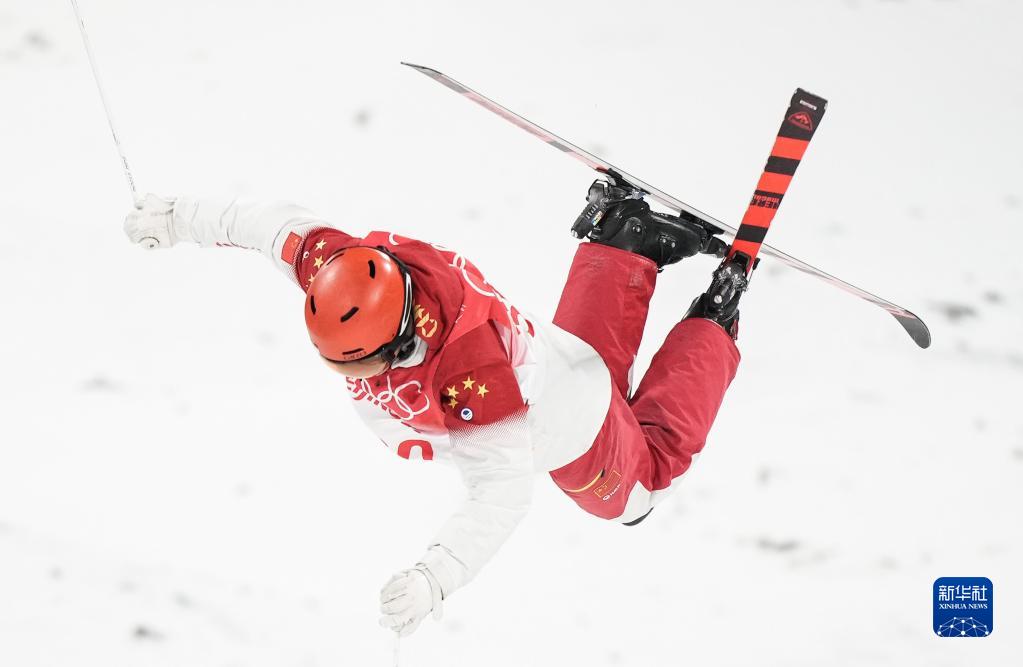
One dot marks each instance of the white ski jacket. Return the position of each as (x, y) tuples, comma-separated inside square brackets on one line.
[(562, 380)]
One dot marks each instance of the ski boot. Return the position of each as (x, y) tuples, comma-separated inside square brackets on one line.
[(720, 303), (619, 217)]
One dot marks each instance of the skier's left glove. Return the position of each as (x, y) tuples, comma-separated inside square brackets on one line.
[(152, 224), (409, 597)]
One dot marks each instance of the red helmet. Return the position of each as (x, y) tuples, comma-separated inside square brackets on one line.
[(359, 305)]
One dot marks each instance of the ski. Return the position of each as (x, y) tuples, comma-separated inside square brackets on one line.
[(797, 128), (912, 324)]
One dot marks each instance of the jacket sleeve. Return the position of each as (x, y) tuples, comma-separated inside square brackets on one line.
[(279, 230), (486, 420), (496, 463)]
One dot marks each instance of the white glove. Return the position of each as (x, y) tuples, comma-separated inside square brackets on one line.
[(409, 597), (152, 225)]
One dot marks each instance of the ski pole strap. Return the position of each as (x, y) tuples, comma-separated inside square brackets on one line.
[(801, 121), (437, 594)]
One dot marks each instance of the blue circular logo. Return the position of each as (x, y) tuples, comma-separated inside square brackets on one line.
[(466, 414)]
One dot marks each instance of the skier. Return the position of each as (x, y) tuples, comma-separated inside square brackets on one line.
[(442, 367)]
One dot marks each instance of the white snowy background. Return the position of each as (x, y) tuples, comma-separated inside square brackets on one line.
[(182, 483)]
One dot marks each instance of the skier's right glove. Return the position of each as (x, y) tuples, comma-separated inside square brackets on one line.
[(152, 224), (409, 597)]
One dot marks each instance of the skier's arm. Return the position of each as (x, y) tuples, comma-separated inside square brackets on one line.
[(486, 420), (279, 230), (496, 462)]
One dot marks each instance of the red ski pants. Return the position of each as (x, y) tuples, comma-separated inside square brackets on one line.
[(648, 440)]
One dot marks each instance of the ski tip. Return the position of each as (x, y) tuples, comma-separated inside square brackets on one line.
[(421, 68), (916, 329), (815, 102)]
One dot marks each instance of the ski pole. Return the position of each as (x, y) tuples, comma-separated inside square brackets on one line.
[(136, 201)]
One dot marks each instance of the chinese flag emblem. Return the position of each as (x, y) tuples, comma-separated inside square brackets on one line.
[(290, 249)]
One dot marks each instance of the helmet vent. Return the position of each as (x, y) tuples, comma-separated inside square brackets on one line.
[(372, 269), (347, 316), (312, 304)]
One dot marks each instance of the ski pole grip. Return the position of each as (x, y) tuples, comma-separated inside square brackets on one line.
[(147, 242)]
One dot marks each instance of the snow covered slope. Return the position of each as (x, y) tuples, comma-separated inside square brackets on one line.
[(163, 501)]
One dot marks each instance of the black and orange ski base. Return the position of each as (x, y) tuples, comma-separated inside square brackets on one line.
[(801, 121)]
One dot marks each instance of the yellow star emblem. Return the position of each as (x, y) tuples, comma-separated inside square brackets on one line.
[(319, 246), (467, 383), (311, 279), (318, 262), (452, 403), (482, 390), (452, 392)]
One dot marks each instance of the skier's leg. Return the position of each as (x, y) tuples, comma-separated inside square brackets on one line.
[(646, 444), (608, 290), (605, 303), (680, 394), (679, 397)]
